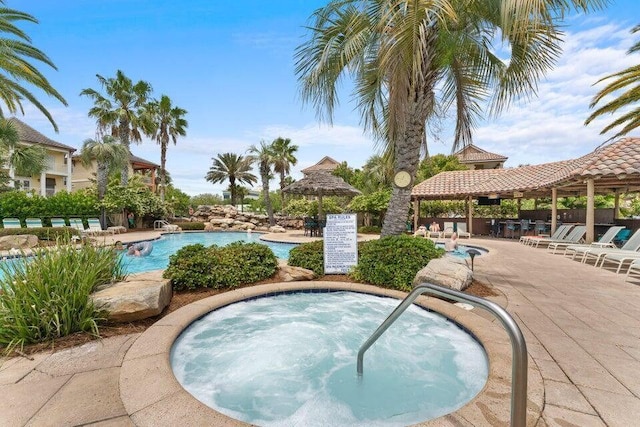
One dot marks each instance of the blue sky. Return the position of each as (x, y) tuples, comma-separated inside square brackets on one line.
[(230, 65)]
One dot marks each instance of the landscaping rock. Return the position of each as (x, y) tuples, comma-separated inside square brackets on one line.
[(20, 241), (288, 273), (208, 226), (136, 298), (446, 271), (277, 229)]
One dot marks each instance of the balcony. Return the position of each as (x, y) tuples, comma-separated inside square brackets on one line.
[(56, 169)]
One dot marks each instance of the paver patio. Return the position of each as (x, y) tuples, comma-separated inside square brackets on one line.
[(580, 323)]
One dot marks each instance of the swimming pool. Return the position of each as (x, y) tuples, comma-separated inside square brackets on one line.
[(169, 244)]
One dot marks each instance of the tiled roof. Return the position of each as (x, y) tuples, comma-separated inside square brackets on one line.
[(326, 164), (620, 159), (473, 154), (137, 159), (29, 134)]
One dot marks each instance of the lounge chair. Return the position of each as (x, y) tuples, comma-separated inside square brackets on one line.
[(58, 222), (96, 228), (447, 230), (77, 224), (629, 248), (575, 236), (561, 232), (161, 224), (11, 223), (606, 240), (33, 222), (462, 230), (634, 270)]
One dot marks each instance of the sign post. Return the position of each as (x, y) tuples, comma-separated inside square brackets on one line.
[(340, 243)]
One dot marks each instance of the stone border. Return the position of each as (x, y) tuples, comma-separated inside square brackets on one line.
[(152, 396)]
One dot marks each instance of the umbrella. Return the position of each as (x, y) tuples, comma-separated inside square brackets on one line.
[(320, 184)]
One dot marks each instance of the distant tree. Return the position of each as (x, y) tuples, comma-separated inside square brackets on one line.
[(123, 112), (232, 167), (109, 156), (169, 123), (628, 80), (283, 158), (433, 165), (264, 156), (15, 56), (379, 170), (177, 201), (206, 199)]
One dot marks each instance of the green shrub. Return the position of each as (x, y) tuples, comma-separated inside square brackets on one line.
[(369, 229), (47, 296), (45, 233), (196, 266), (190, 225), (309, 256), (393, 261)]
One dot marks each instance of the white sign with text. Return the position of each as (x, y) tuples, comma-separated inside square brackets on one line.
[(340, 243)]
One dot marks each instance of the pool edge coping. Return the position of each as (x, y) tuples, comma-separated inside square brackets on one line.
[(152, 395)]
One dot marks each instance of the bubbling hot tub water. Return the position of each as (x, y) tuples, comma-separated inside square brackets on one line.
[(291, 360)]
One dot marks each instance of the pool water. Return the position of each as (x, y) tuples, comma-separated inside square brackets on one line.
[(291, 360), (169, 244)]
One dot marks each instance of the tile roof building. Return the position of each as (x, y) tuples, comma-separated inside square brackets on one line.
[(476, 158)]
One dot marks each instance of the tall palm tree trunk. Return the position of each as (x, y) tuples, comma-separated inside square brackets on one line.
[(407, 157), (232, 187), (123, 135), (267, 198), (282, 192), (163, 162)]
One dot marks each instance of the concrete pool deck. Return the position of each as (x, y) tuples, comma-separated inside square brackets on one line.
[(580, 323)]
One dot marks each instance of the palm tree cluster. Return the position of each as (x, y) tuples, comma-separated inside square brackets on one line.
[(126, 112), (412, 60), (276, 157)]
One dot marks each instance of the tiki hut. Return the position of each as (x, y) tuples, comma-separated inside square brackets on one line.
[(321, 184)]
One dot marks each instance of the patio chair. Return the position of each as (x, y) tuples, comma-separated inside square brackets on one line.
[(524, 227), (76, 223), (33, 222), (540, 228), (96, 228), (629, 248), (560, 232), (462, 230), (447, 230), (58, 222), (510, 229), (575, 236), (606, 240), (11, 223), (622, 237)]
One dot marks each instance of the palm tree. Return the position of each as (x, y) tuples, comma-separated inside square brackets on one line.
[(400, 52), (15, 57), (263, 155), (110, 155), (23, 160), (628, 78), (233, 167), (123, 111), (283, 158), (169, 123)]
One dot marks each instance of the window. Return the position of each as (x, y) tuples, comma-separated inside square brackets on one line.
[(26, 184)]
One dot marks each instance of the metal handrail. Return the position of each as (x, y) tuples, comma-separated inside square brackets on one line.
[(518, 345)]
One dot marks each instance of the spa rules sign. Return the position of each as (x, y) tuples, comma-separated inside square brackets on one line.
[(340, 243)]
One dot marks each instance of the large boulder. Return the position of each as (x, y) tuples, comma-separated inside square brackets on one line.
[(138, 297), (19, 241), (221, 221), (446, 271), (277, 229), (288, 273)]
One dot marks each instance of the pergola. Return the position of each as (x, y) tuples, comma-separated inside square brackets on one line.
[(610, 169)]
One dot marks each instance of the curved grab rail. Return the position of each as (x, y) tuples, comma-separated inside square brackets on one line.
[(518, 345)]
